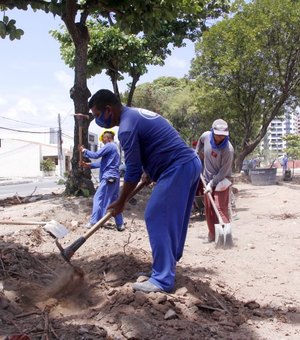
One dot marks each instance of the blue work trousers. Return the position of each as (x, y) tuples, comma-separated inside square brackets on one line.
[(104, 196), (167, 217)]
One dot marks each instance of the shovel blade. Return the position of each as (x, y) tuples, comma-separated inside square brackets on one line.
[(228, 241), (219, 235), (56, 229), (223, 236)]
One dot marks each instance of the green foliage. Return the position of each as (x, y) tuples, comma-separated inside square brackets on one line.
[(82, 192), (61, 181), (155, 96), (247, 69), (47, 165), (110, 49), (172, 98), (8, 28), (161, 22), (293, 146)]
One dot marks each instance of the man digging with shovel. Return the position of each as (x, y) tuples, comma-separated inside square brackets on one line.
[(152, 145), (216, 151)]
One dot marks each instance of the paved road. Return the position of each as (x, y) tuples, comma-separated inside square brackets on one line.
[(36, 187)]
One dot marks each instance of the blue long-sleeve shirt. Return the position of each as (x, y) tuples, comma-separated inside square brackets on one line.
[(150, 143), (110, 162)]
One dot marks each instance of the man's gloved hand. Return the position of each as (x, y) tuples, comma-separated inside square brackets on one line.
[(208, 188)]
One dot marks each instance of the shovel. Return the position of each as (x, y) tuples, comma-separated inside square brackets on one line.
[(223, 236), (68, 252), (53, 227)]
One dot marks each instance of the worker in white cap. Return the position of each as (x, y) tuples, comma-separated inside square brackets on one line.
[(216, 153)]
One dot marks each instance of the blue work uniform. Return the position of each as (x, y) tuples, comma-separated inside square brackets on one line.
[(109, 181), (151, 144)]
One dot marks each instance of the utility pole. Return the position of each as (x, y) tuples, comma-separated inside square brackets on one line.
[(59, 146)]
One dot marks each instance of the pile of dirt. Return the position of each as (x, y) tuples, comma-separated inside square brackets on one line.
[(41, 297)]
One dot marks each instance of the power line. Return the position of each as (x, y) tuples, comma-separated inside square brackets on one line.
[(15, 130)]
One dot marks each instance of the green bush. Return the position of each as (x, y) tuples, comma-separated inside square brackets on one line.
[(47, 165)]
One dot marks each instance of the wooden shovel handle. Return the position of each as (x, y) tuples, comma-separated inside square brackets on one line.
[(212, 201), (22, 222), (80, 143)]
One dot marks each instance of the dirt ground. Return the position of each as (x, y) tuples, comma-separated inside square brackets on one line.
[(248, 292)]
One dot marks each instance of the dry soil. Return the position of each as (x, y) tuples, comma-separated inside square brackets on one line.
[(248, 292)]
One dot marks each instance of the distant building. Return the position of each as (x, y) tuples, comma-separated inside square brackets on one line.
[(22, 152), (280, 127), (297, 128)]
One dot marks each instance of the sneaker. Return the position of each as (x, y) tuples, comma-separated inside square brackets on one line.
[(146, 287), (148, 274), (88, 225), (120, 227)]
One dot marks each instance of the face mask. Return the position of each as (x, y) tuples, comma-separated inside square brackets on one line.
[(101, 121), (213, 144)]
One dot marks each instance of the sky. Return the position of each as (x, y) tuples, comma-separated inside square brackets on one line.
[(35, 82)]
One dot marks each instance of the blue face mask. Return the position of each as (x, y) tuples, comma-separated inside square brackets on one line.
[(213, 144), (105, 123)]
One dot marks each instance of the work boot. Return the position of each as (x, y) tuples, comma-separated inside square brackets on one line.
[(120, 227), (146, 287)]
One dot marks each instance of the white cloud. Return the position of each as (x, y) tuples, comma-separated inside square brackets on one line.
[(3, 101), (23, 106), (65, 79), (177, 62)]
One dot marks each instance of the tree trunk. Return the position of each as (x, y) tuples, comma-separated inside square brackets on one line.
[(135, 79), (79, 181)]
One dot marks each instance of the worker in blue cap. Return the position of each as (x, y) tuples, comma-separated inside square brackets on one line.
[(152, 145)]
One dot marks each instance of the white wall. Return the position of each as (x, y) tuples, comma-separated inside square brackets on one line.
[(19, 159)]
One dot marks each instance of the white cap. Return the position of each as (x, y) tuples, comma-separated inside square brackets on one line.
[(220, 127)]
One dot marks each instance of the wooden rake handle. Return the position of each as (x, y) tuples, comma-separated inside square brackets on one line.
[(212, 202)]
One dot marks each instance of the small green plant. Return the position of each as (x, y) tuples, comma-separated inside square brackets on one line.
[(82, 192), (61, 181), (47, 165)]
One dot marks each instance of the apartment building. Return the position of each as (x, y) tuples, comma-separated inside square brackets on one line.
[(279, 127)]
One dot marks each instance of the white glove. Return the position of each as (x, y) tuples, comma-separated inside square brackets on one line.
[(208, 187)]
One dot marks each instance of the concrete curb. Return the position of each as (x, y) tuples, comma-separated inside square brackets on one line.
[(14, 182)]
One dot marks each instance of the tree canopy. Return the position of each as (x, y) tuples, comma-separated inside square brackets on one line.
[(169, 19), (172, 98), (8, 28), (247, 69), (292, 146), (115, 52)]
